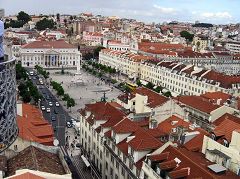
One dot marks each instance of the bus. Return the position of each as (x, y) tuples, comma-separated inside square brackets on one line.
[(131, 86)]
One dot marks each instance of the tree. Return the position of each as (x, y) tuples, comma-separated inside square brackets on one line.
[(150, 85), (65, 22), (26, 97), (167, 94), (97, 50), (66, 97), (139, 83), (158, 89), (70, 103), (23, 17), (58, 17), (187, 35), (44, 24)]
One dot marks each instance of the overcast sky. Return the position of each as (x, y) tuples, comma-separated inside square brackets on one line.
[(213, 11)]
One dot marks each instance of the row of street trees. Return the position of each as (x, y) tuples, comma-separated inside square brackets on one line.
[(26, 88), (60, 92), (42, 72), (158, 89)]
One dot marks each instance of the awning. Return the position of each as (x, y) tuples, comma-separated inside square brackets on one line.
[(85, 161)]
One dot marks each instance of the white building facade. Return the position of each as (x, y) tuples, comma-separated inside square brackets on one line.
[(50, 54)]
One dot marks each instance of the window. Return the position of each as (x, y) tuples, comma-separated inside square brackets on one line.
[(117, 165), (112, 159), (106, 165), (123, 171), (111, 171)]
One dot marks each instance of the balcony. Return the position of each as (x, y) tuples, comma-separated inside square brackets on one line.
[(120, 162)]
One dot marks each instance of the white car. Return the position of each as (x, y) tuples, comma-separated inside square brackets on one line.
[(48, 110), (57, 104), (50, 103), (43, 108)]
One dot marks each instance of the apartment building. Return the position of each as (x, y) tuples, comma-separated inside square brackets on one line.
[(222, 62), (93, 38), (200, 43), (117, 45), (233, 47), (188, 79), (126, 62), (179, 78), (123, 148), (222, 146)]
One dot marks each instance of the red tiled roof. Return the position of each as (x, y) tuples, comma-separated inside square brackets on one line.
[(125, 126), (168, 165), (195, 160), (26, 176), (33, 127), (214, 96), (139, 163), (123, 146), (225, 81), (60, 44), (144, 141), (172, 122), (198, 103), (109, 112), (159, 157), (226, 116), (226, 128), (154, 99), (181, 173)]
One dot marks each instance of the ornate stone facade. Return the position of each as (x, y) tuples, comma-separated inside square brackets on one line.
[(8, 110)]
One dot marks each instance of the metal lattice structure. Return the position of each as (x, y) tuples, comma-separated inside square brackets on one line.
[(8, 110)]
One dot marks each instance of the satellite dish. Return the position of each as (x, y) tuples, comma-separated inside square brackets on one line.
[(55, 142)]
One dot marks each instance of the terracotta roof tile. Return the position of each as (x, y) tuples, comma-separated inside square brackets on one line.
[(214, 96), (168, 165), (33, 127), (226, 128), (60, 44), (36, 159), (181, 173), (198, 103), (159, 157), (26, 176), (154, 99), (144, 141)]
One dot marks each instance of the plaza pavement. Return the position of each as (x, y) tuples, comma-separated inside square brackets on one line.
[(90, 92)]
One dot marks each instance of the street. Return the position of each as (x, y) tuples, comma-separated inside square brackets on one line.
[(56, 112)]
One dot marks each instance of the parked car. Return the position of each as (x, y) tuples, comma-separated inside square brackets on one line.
[(53, 118), (48, 110), (57, 104), (50, 103), (43, 108)]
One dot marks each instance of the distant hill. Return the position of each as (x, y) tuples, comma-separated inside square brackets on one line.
[(206, 25)]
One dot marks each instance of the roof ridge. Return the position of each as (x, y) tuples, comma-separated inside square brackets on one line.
[(34, 157), (203, 169)]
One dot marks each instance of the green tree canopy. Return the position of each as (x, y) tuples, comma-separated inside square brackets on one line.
[(23, 17), (187, 35), (44, 24), (97, 50)]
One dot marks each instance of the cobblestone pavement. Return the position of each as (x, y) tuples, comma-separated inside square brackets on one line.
[(91, 91)]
